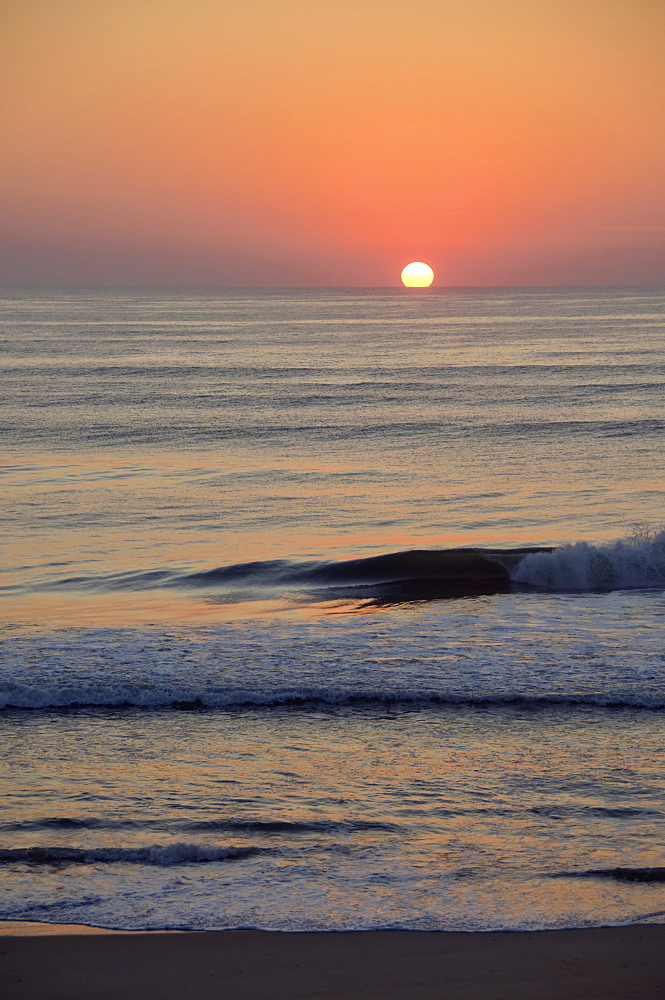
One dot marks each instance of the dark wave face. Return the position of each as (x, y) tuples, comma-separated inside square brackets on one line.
[(396, 577), (620, 874)]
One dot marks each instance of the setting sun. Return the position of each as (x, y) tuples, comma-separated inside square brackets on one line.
[(417, 275)]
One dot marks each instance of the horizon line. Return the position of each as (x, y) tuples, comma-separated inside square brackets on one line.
[(304, 288)]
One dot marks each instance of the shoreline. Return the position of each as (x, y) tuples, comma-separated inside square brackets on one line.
[(80, 963)]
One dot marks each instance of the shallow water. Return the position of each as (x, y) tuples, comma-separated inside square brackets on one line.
[(457, 817), (221, 710)]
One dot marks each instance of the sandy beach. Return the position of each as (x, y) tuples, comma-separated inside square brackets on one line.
[(54, 962)]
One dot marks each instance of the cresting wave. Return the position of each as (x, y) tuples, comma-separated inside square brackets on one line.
[(635, 562)]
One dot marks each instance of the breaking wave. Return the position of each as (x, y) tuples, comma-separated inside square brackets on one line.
[(637, 561), (326, 701), (634, 562), (460, 654), (523, 648)]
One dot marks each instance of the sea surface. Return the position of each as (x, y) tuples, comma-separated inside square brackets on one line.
[(332, 609)]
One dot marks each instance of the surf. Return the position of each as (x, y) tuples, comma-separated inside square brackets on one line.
[(634, 562)]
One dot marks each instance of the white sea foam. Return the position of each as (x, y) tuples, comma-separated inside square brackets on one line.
[(510, 647), (633, 562)]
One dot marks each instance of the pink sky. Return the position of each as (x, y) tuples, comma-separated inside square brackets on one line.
[(302, 142)]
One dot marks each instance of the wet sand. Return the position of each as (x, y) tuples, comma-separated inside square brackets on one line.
[(73, 963)]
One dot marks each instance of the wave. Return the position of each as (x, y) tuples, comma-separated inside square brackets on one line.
[(286, 826), (270, 828), (156, 854), (610, 812), (399, 576), (265, 827), (630, 563), (414, 575), (620, 874), (160, 698)]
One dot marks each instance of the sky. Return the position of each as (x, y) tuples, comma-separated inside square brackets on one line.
[(330, 142)]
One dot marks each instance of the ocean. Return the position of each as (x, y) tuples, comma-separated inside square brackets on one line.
[(333, 609)]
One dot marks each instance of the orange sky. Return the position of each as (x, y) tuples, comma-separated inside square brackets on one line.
[(329, 142)]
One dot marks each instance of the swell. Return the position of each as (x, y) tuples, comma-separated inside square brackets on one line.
[(635, 562), (418, 574), (156, 854), (266, 827), (270, 828), (322, 701), (619, 874)]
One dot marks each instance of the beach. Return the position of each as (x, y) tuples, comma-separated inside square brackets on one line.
[(607, 963)]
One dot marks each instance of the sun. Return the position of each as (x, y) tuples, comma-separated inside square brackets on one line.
[(417, 275)]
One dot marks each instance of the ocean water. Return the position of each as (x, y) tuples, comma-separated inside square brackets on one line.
[(333, 609)]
